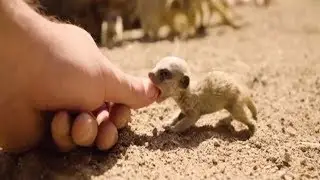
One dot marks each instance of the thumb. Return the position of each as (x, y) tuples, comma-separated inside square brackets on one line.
[(120, 87)]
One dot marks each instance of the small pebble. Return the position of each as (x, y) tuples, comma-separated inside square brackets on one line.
[(216, 144), (154, 132), (214, 162), (287, 157), (287, 177), (303, 162), (258, 145), (291, 131), (311, 168), (303, 148), (317, 129)]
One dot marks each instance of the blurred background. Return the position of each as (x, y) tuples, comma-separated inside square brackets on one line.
[(111, 22)]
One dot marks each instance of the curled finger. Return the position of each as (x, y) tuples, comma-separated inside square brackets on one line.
[(107, 136), (120, 115), (84, 129), (60, 131)]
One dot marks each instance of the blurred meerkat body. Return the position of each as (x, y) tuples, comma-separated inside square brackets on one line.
[(183, 18), (202, 11), (117, 16), (163, 18), (111, 30), (241, 2), (215, 92)]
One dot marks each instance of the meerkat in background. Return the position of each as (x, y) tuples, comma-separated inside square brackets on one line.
[(164, 18), (216, 91), (241, 2), (218, 6), (183, 18), (201, 12), (117, 16), (111, 30)]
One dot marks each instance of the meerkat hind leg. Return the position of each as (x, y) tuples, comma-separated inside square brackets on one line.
[(238, 113)]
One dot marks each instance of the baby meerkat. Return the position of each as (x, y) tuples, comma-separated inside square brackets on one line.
[(216, 91)]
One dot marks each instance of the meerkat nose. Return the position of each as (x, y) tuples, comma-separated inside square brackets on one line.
[(151, 76)]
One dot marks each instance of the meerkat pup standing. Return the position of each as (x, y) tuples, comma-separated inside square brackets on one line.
[(216, 91)]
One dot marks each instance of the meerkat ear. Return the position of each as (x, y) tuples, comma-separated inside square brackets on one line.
[(184, 82)]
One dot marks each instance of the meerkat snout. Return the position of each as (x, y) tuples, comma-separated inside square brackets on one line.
[(170, 75), (153, 78), (160, 75)]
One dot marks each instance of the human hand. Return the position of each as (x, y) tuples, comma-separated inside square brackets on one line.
[(99, 127), (61, 69)]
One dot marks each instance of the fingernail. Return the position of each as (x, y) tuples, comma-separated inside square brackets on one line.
[(102, 116)]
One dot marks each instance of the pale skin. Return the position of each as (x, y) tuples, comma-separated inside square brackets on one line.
[(54, 66)]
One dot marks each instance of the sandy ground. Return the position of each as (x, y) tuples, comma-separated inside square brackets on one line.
[(277, 55)]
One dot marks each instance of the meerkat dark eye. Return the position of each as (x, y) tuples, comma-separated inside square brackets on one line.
[(164, 74)]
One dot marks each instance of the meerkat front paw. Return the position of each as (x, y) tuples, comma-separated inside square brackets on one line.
[(167, 127), (175, 129), (181, 126), (171, 127), (251, 128), (176, 118)]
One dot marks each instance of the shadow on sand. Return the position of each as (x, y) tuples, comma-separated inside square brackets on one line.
[(46, 163)]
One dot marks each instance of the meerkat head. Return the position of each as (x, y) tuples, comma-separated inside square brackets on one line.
[(171, 76)]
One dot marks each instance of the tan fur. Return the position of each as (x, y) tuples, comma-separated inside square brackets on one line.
[(241, 2), (224, 12), (216, 91), (201, 11), (159, 19), (180, 18)]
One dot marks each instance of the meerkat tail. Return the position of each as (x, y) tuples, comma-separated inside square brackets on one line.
[(251, 107)]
